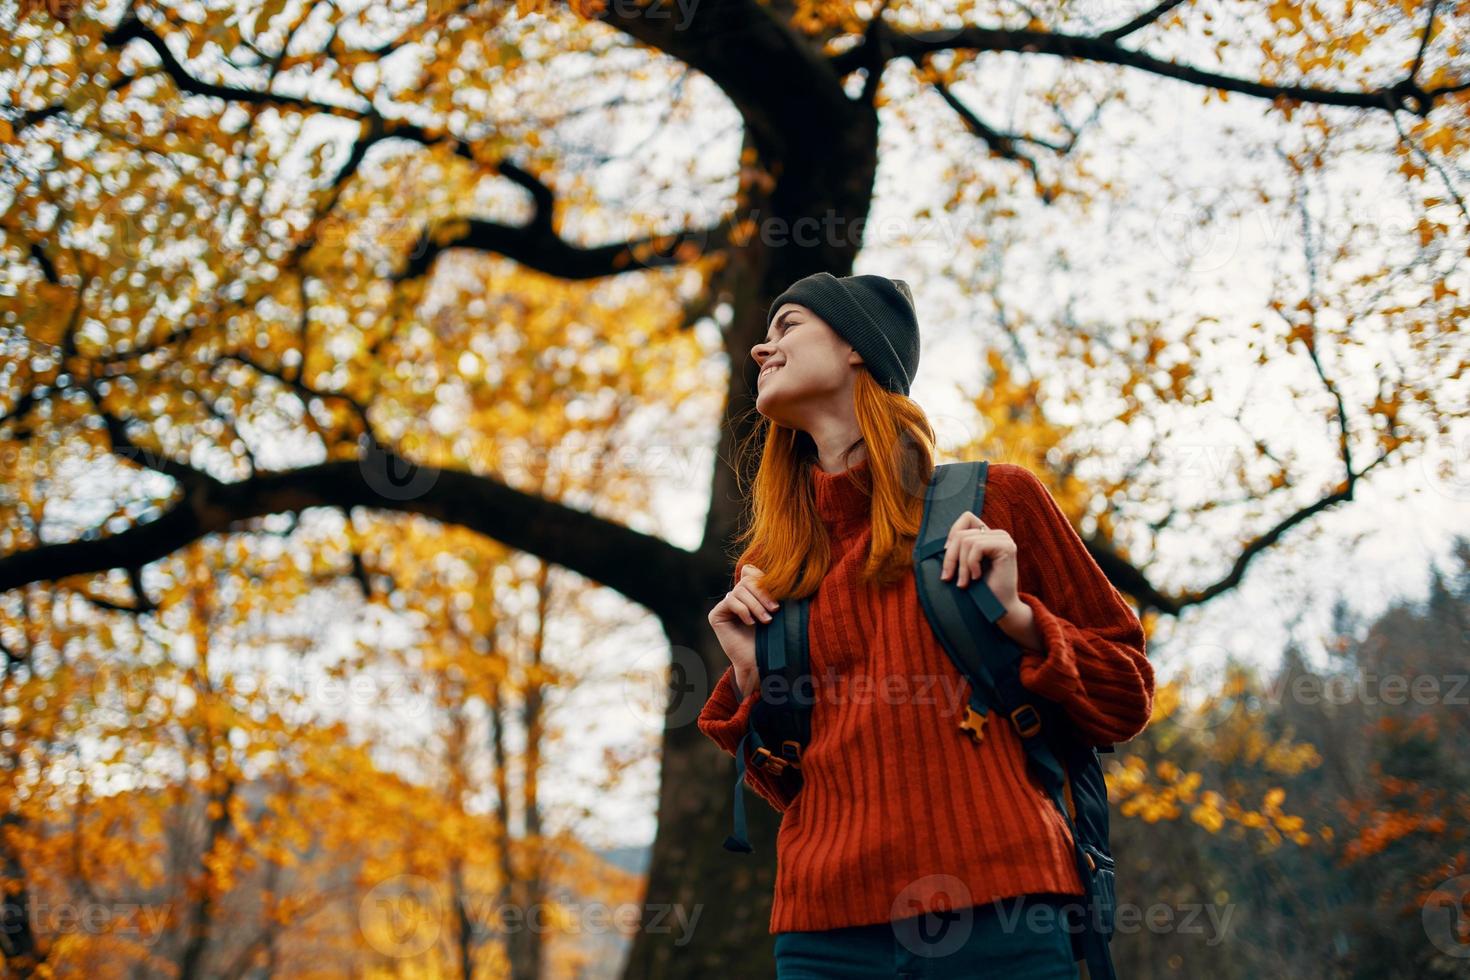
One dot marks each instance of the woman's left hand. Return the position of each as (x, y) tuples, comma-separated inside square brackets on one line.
[(970, 542)]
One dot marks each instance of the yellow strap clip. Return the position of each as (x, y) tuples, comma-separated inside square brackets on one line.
[(973, 724)]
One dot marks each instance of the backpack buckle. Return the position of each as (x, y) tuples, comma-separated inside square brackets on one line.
[(791, 749), (1027, 720), (973, 724), (768, 761)]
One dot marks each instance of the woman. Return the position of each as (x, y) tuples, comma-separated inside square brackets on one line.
[(906, 849)]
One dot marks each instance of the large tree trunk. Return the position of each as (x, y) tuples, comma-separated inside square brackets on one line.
[(18, 944), (707, 910)]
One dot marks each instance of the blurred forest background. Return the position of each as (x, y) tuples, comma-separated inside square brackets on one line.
[(374, 380)]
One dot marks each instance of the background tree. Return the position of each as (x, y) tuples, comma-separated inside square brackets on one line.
[(203, 777), (1316, 810), (267, 259)]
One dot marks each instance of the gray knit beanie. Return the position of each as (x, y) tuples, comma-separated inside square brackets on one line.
[(874, 314)]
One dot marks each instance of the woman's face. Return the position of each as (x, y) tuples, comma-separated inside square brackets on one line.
[(805, 366)]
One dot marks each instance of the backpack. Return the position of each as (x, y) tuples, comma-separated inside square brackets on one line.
[(965, 623)]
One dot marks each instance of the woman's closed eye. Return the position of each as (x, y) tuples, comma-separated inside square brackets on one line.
[(785, 329)]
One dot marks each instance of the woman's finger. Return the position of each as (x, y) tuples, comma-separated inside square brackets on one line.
[(978, 549), (750, 578), (951, 552), (966, 521), (740, 610), (737, 606), (963, 554), (972, 552), (753, 601)]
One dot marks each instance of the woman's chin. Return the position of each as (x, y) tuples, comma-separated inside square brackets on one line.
[(772, 407)]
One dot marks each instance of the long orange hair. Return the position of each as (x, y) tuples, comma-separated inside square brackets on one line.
[(785, 537)]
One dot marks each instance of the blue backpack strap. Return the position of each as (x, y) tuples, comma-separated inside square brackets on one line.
[(965, 622), (954, 489), (739, 840), (782, 658)]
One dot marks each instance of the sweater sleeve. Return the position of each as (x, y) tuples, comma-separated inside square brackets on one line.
[(725, 719), (1095, 664)]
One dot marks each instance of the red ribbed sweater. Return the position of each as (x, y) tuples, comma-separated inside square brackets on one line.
[(896, 803)]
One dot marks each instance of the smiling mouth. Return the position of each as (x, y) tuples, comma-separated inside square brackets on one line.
[(768, 370)]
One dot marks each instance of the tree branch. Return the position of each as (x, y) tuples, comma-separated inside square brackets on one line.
[(1001, 144), (646, 569), (537, 245), (124, 448), (1405, 94), (131, 28), (141, 603), (1141, 21)]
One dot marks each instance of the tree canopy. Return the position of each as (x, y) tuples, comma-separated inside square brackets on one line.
[(500, 266)]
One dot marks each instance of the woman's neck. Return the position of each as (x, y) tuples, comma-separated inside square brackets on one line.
[(837, 462)]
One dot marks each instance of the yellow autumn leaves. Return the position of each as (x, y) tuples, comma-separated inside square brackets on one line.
[(1167, 791), (1178, 791)]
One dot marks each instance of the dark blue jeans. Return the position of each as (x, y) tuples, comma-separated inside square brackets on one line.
[(1023, 938)]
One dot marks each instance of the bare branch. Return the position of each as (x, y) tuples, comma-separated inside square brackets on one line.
[(1424, 39), (1142, 20), (131, 28), (1405, 94), (124, 448), (537, 245), (140, 604), (1002, 144), (642, 567)]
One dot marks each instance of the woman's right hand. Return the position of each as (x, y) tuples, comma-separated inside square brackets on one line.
[(734, 618)]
